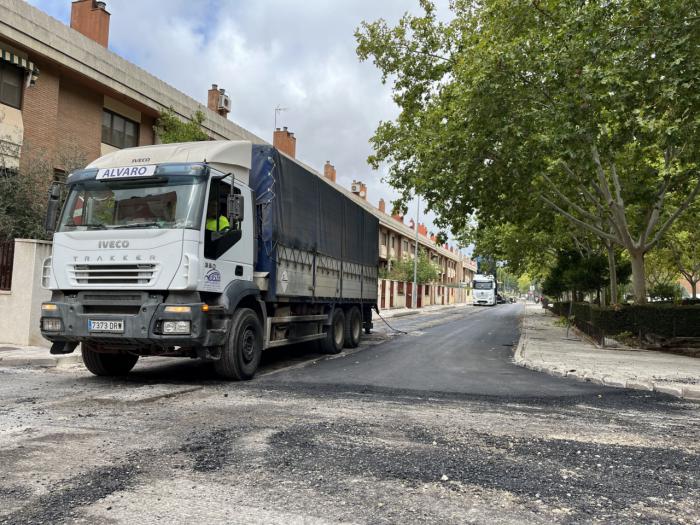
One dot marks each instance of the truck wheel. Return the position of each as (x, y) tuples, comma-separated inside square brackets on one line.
[(335, 337), (353, 327), (102, 364), (241, 354)]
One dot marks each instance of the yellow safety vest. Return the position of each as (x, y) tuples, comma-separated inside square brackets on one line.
[(223, 224)]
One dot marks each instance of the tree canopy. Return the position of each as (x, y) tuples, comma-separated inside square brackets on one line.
[(518, 115), (170, 128)]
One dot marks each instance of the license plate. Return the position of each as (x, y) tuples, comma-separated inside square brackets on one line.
[(105, 326)]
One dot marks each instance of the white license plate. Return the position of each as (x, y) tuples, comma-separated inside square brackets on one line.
[(105, 326)]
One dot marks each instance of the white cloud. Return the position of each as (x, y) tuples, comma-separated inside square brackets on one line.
[(265, 53)]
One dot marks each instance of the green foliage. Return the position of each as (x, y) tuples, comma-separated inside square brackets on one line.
[(524, 283), (171, 129), (665, 292), (574, 272), (24, 192), (518, 115), (402, 270)]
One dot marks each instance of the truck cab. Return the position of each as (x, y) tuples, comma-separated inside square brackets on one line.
[(149, 243)]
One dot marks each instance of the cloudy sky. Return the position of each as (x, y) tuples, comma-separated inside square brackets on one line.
[(269, 53)]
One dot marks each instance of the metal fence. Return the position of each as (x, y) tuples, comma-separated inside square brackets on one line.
[(7, 255)]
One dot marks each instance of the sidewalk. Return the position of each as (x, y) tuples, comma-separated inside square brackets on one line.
[(544, 347), (12, 355)]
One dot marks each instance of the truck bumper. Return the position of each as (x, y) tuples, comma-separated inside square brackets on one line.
[(138, 320)]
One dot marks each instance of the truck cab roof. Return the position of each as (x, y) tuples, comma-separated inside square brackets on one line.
[(224, 155)]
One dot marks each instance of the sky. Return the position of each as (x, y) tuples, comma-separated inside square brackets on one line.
[(266, 54)]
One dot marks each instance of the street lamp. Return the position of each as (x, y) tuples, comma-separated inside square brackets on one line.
[(414, 298)]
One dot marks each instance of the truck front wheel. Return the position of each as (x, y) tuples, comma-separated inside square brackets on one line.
[(241, 355), (335, 336), (102, 364)]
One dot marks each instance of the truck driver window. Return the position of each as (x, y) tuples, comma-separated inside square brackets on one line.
[(219, 233)]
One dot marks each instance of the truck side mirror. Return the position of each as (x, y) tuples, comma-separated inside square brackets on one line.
[(235, 208), (52, 207)]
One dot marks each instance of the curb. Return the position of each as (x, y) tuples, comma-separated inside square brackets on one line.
[(691, 392)]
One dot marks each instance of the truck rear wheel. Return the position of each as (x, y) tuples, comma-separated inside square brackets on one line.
[(335, 336), (241, 354), (353, 327), (102, 364)]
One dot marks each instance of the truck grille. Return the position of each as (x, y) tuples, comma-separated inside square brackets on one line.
[(113, 274)]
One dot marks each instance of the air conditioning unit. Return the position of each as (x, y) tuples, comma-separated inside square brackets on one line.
[(355, 188), (224, 102)]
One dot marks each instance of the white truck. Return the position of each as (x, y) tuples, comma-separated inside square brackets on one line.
[(484, 290), (216, 250)]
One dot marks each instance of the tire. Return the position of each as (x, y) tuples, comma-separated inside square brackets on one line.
[(353, 327), (102, 364), (335, 337), (241, 355)]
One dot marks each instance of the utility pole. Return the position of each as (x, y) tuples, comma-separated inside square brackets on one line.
[(414, 295), (278, 110)]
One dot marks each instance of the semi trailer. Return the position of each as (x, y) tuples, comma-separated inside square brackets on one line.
[(215, 250)]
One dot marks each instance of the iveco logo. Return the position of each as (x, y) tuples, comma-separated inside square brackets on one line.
[(141, 161), (112, 244)]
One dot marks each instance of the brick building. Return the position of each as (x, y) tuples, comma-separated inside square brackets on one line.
[(63, 93)]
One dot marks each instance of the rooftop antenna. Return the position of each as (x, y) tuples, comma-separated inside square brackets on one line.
[(278, 110)]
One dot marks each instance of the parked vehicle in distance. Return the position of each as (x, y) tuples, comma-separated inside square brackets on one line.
[(216, 250), (484, 290)]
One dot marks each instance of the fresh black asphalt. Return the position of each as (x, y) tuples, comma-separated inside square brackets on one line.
[(470, 354)]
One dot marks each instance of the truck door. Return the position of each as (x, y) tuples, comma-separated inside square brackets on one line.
[(228, 246)]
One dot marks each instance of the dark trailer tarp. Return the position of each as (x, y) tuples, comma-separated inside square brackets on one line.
[(297, 209)]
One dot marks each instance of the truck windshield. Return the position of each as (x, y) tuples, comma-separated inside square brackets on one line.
[(163, 202), (483, 285)]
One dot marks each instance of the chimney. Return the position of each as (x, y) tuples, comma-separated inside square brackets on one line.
[(359, 189), (91, 18), (432, 237), (218, 101), (382, 206), (329, 171), (412, 224), (423, 229), (285, 141), (398, 217)]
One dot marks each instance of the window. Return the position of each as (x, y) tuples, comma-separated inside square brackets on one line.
[(119, 131), (383, 239), (11, 82), (404, 246)]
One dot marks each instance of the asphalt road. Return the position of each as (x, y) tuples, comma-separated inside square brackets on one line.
[(471, 353), (367, 437)]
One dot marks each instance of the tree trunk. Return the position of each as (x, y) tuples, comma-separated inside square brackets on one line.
[(694, 288), (639, 282), (613, 273)]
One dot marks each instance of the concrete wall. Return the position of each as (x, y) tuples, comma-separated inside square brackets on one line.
[(20, 308)]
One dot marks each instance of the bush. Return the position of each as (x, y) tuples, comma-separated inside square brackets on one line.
[(666, 320)]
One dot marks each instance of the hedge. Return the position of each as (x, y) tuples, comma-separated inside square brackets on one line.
[(665, 320)]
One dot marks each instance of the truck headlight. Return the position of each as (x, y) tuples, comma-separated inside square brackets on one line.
[(176, 327), (51, 324)]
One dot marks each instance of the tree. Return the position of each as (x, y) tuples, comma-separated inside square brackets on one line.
[(683, 242), (402, 270), (24, 189), (524, 283), (586, 108), (170, 128)]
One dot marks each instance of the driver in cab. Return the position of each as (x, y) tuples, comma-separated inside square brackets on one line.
[(214, 223)]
